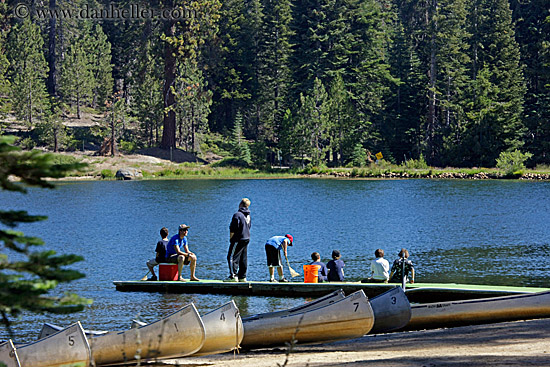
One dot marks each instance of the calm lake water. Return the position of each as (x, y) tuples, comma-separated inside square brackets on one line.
[(480, 232)]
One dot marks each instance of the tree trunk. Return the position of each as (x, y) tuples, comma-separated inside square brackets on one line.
[(52, 76), (169, 122)]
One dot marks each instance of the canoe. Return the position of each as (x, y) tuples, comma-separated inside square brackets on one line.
[(392, 311), (8, 355), (319, 302), (347, 318), (49, 329), (68, 348), (223, 330), (479, 311), (177, 335)]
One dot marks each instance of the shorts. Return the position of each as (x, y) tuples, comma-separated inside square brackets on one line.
[(273, 256), (171, 260)]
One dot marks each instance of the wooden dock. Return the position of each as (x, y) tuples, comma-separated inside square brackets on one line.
[(418, 292)]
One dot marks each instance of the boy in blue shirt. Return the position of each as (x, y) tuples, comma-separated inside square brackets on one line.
[(335, 268)]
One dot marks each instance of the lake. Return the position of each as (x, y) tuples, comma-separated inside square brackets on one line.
[(461, 231)]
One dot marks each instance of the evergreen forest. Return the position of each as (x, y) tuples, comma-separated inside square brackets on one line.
[(321, 82)]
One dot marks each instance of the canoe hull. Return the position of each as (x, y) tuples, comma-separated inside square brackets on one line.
[(479, 311), (223, 330), (348, 318), (392, 311), (319, 302), (179, 334), (68, 348), (8, 355)]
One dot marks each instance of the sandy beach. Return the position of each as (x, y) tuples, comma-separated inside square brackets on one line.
[(522, 343)]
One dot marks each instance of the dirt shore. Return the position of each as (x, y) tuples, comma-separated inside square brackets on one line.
[(522, 343)]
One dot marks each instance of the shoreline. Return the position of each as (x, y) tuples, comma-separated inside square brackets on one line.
[(519, 343)]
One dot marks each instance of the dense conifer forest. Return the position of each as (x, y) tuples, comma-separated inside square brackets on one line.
[(325, 82)]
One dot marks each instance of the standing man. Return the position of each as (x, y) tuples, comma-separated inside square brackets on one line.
[(177, 248), (239, 237)]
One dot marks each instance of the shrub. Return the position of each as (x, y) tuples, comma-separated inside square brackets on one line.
[(419, 163), (512, 162), (107, 173)]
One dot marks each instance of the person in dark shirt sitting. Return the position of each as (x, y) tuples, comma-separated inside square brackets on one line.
[(160, 252), (323, 272), (335, 268)]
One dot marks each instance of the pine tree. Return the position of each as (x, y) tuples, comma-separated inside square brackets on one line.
[(227, 58), (4, 65), (27, 276), (51, 130), (146, 90), (241, 150), (313, 125), (183, 42), (28, 70), (406, 107), (532, 20), (274, 72), (494, 48), (76, 80), (193, 101), (99, 55)]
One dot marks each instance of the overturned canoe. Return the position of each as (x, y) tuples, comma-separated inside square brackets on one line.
[(319, 302), (68, 348), (347, 318), (49, 329), (179, 334), (392, 311), (479, 311), (223, 330), (8, 356)]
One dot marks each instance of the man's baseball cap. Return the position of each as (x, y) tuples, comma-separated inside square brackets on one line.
[(184, 226), (289, 236)]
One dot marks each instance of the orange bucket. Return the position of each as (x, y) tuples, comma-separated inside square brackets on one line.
[(311, 273)]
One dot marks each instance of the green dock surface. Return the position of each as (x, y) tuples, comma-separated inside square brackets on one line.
[(418, 292)]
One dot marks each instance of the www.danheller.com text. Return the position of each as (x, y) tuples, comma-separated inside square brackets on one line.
[(110, 12)]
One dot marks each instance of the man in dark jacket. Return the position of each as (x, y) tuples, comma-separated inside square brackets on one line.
[(239, 237)]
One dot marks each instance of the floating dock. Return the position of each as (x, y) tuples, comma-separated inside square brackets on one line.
[(417, 293)]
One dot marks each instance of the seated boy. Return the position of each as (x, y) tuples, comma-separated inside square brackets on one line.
[(160, 251), (323, 272), (335, 268)]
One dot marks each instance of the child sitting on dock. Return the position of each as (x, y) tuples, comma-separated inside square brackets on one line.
[(323, 272), (335, 268), (160, 253), (380, 269), (401, 268)]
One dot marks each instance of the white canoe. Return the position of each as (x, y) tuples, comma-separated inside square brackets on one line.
[(392, 311), (479, 311), (8, 355), (347, 318), (68, 348), (223, 329), (177, 335)]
